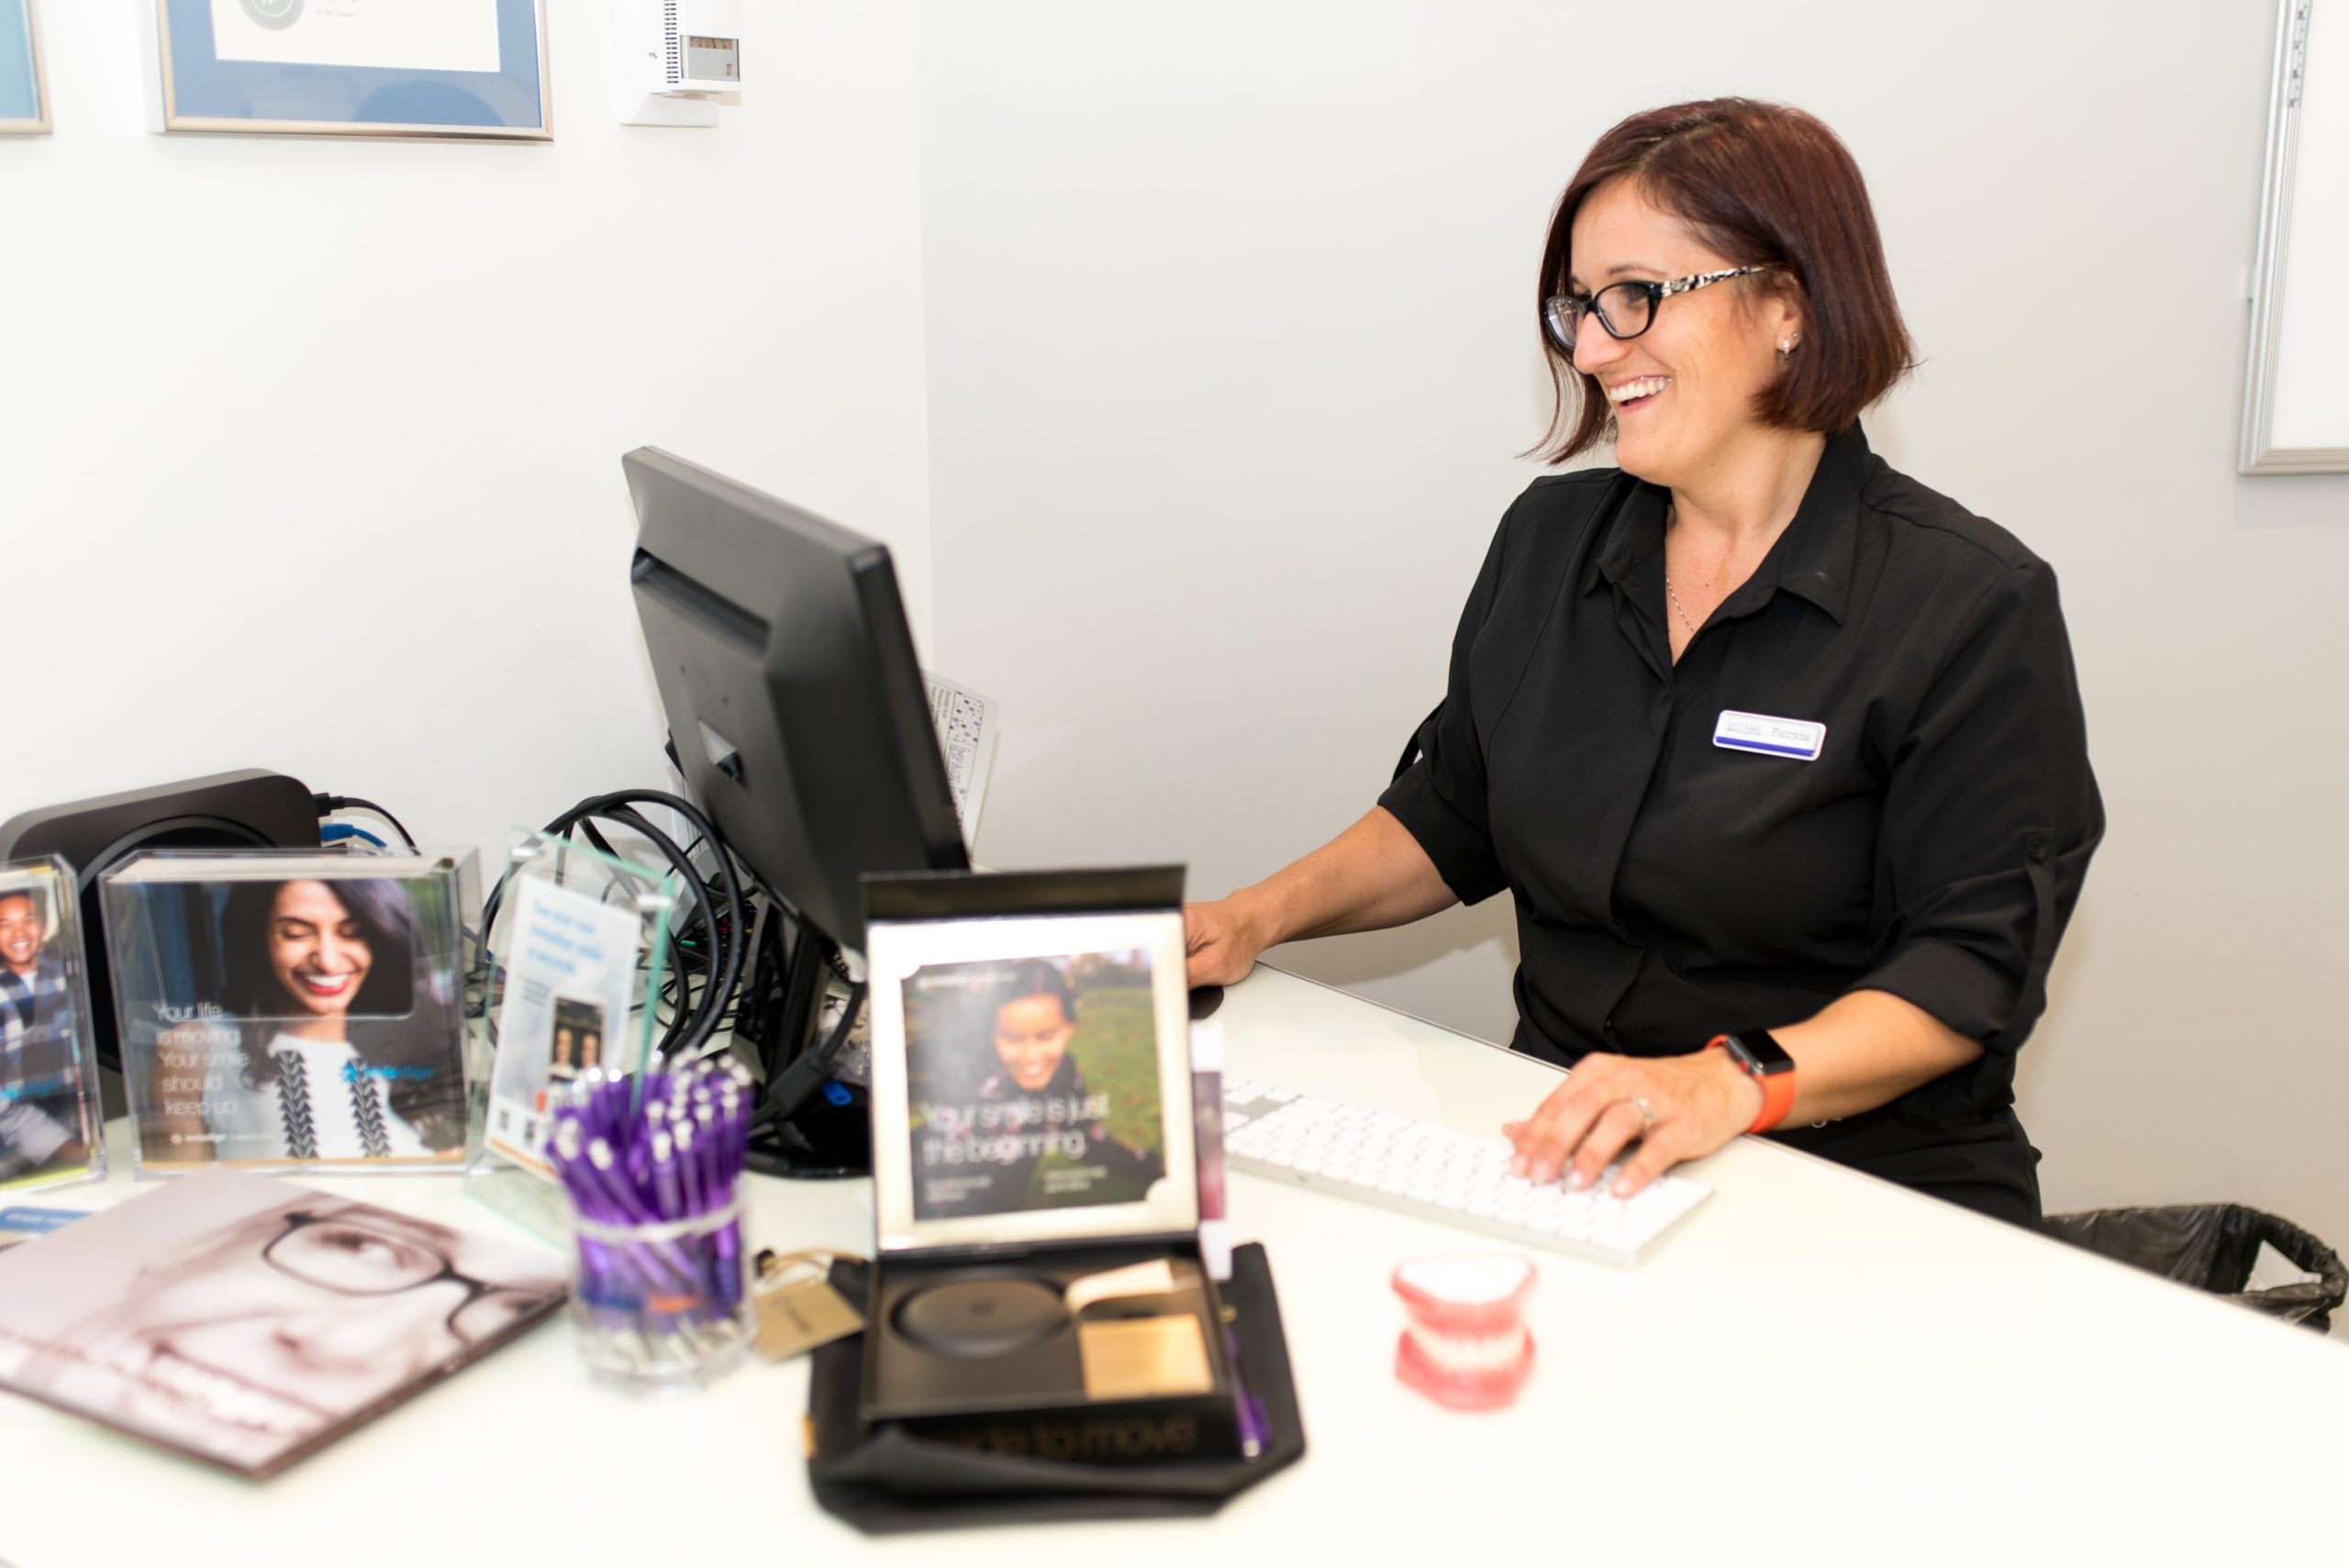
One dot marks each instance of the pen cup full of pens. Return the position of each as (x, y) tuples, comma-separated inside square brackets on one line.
[(652, 1166)]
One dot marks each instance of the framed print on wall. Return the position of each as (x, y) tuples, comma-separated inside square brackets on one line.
[(469, 70), (2295, 394), (24, 103)]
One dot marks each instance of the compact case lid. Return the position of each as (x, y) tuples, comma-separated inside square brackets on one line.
[(1031, 1078)]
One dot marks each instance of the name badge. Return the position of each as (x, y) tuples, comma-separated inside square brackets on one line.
[(1796, 738)]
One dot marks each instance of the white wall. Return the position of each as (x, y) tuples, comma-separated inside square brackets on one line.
[(309, 451), (1230, 345), (1227, 352)]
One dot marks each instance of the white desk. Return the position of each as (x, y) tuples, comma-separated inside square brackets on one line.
[(1817, 1368)]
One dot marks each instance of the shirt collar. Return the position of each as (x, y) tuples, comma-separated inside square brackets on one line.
[(1813, 559)]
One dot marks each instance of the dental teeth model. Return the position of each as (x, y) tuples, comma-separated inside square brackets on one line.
[(1466, 1344)]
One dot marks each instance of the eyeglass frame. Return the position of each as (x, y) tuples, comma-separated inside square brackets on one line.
[(474, 1289), (1561, 339)]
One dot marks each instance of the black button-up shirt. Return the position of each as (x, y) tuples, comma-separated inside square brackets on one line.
[(1669, 888)]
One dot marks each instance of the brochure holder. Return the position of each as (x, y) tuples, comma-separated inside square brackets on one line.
[(52, 1131), (888, 1481), (1041, 1323), (294, 1010), (577, 960)]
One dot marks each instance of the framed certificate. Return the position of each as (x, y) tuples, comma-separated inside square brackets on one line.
[(24, 105), (471, 70), (2296, 393)]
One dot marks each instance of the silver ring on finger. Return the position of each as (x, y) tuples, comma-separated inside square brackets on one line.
[(1647, 1113)]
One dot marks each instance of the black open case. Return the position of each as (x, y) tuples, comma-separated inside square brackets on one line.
[(1043, 1338)]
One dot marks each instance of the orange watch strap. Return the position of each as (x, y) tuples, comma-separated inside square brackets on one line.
[(1777, 1099), (1777, 1089)]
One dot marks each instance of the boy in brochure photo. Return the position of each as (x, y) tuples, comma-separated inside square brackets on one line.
[(41, 1097), (1006, 1119)]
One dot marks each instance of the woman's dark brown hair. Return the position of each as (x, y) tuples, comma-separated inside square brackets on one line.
[(1765, 186)]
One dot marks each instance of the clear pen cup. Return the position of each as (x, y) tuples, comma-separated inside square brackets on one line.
[(661, 1306)]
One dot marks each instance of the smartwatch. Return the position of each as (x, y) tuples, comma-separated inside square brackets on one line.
[(1765, 1060)]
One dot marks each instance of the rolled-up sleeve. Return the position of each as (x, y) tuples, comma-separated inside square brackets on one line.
[(1990, 817), (1441, 798)]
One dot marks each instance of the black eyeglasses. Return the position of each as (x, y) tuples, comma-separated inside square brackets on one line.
[(350, 1257), (1625, 309)]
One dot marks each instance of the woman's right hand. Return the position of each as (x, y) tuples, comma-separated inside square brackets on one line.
[(1371, 876), (1222, 942)]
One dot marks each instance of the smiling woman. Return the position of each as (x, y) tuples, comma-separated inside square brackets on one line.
[(1761, 192), (337, 1065), (1779, 750)]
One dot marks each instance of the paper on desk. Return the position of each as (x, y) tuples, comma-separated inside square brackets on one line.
[(966, 732)]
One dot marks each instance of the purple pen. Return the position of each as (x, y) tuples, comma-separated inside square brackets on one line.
[(689, 1177), (1255, 1427)]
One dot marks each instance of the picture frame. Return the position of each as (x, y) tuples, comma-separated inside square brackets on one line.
[(579, 953), (1092, 1136), (285, 1011), (439, 70), (24, 88), (2296, 386), (52, 1125)]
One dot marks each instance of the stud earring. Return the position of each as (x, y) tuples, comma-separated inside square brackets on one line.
[(1786, 348)]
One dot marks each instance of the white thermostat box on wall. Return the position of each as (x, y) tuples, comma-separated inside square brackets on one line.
[(674, 62)]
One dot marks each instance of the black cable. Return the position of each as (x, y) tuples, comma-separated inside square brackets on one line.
[(691, 1027), (797, 1081), (329, 804)]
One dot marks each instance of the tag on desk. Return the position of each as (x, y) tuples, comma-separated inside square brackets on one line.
[(798, 1309), (797, 1317), (1798, 738)]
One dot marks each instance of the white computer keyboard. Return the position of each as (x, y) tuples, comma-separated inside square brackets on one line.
[(1421, 1168)]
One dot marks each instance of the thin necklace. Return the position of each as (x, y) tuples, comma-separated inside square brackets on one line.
[(1673, 594), (1675, 605)]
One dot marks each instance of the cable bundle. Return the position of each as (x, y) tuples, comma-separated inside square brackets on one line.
[(711, 940)]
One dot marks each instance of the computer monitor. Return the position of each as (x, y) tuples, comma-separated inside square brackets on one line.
[(798, 717), (795, 703)]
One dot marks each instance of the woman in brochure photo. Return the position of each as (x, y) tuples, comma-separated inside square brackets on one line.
[(1778, 750), (1007, 1119), (324, 1042), (41, 1114)]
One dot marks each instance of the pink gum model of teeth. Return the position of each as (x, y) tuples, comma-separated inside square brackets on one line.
[(1466, 1344)]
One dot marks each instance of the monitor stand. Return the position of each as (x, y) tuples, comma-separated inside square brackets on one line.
[(807, 1124)]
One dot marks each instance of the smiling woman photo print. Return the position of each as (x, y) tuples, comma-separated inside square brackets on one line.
[(341, 1047)]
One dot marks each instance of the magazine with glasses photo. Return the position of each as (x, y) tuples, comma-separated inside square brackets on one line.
[(248, 1322), (50, 1126), (291, 1009)]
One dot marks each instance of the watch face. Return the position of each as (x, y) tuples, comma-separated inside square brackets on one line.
[(1760, 1052)]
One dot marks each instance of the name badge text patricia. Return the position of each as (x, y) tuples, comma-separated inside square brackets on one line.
[(1796, 737)]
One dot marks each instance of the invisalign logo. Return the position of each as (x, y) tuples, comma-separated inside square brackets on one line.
[(274, 13)]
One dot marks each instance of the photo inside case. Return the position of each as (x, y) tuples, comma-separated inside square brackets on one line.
[(292, 1009), (50, 1129), (1038, 1289)]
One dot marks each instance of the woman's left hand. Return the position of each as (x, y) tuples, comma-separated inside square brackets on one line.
[(1677, 1107)]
